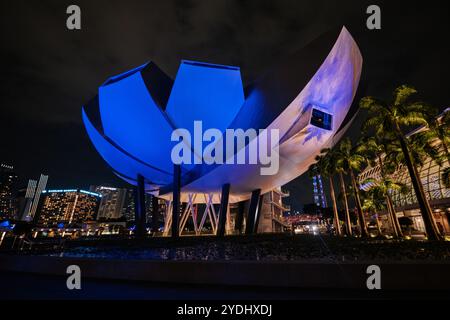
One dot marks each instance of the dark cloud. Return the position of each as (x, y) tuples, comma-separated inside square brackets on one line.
[(48, 72)]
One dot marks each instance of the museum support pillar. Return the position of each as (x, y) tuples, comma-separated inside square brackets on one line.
[(176, 200), (252, 212), (139, 212), (223, 210)]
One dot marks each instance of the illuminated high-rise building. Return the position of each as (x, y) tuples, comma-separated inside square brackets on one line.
[(7, 201), (28, 199), (112, 202), (70, 207), (128, 210), (37, 195), (319, 195), (25, 200)]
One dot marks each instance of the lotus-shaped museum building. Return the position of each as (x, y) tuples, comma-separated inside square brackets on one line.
[(307, 96)]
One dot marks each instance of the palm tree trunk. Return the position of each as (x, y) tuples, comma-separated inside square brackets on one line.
[(390, 205), (347, 213), (427, 214), (362, 221), (395, 224), (391, 218), (335, 211), (378, 224)]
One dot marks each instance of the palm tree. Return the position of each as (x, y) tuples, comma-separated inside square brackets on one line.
[(395, 117), (373, 203), (422, 146), (435, 138), (350, 161), (376, 148), (324, 166), (337, 167), (440, 129), (330, 170), (343, 198), (382, 188)]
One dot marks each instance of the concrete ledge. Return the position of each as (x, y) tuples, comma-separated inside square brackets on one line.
[(395, 276)]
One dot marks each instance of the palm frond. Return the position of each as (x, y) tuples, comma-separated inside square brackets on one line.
[(413, 118), (402, 94), (373, 105)]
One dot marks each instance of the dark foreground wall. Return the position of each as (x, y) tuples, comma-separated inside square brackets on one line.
[(395, 276)]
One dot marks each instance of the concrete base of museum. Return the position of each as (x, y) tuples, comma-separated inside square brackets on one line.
[(394, 276)]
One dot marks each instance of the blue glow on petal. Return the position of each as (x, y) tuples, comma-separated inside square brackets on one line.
[(133, 121), (206, 92), (120, 161)]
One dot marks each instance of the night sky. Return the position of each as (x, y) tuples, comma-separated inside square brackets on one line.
[(49, 72)]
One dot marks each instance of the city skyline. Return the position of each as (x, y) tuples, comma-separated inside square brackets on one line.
[(53, 118)]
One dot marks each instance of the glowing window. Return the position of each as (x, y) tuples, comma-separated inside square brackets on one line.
[(321, 119)]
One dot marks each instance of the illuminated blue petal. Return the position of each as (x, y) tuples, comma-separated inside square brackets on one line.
[(206, 92), (131, 118), (121, 162)]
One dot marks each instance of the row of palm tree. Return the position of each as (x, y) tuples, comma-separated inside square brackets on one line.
[(387, 144)]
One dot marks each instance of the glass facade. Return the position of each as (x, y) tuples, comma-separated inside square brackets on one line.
[(431, 177)]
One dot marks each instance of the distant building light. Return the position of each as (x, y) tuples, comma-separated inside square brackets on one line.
[(108, 188), (73, 190), (60, 191), (91, 193)]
